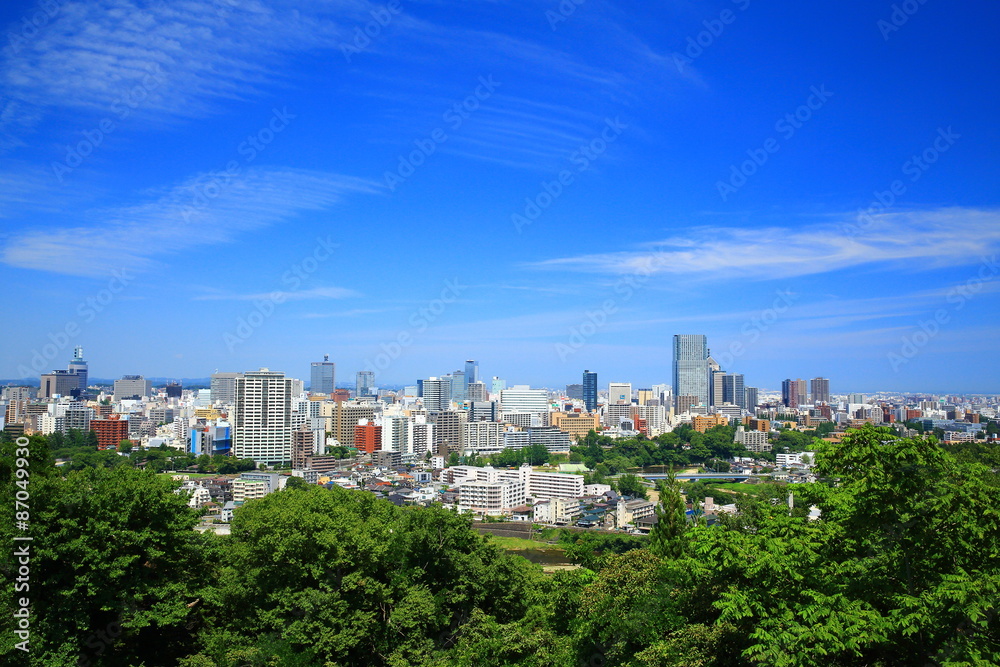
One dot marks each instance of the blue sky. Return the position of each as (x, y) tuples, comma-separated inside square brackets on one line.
[(541, 189)]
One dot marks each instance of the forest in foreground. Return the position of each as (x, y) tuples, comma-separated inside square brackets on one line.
[(902, 568)]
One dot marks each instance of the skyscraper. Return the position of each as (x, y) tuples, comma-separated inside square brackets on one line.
[(618, 392), (223, 387), (322, 376), (497, 385), (793, 393), (79, 366), (733, 390), (819, 390), (750, 398), (590, 390), (262, 417), (365, 384), (436, 393), (691, 366), (471, 371)]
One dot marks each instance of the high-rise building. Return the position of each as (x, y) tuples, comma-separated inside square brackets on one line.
[(471, 371), (590, 390), (819, 390), (750, 398), (78, 366), (367, 437), (645, 396), (733, 390), (574, 391), (860, 398), (691, 366), (684, 404), (132, 387), (522, 398), (794, 393), (618, 392), (716, 377), (436, 393), (110, 432), (322, 376), (59, 383), (458, 386), (449, 429), (365, 384), (477, 392), (173, 390), (262, 418), (223, 387), (497, 385)]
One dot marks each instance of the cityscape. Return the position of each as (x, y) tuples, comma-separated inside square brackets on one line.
[(537, 333)]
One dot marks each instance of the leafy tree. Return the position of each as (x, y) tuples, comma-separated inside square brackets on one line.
[(631, 485)]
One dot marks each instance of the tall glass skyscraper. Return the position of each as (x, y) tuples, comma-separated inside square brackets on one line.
[(471, 371), (365, 384), (590, 390), (322, 376), (691, 366)]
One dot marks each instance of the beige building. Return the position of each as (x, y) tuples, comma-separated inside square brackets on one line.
[(576, 424)]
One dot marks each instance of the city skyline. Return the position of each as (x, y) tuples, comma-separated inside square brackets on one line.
[(419, 184)]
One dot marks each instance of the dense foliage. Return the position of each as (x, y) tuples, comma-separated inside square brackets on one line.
[(901, 568)]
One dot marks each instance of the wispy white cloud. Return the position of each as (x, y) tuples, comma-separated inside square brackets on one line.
[(92, 54), (330, 292), (912, 240), (203, 210)]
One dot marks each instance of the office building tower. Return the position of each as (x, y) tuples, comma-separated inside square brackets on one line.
[(793, 393), (223, 387), (365, 384), (733, 390), (619, 392), (262, 417), (590, 390), (59, 383), (522, 398), (436, 393), (574, 391), (367, 437), (471, 371), (322, 376), (133, 387), (750, 398), (303, 446), (715, 384), (78, 366), (497, 385), (860, 398), (458, 386), (691, 366), (819, 390), (645, 396)]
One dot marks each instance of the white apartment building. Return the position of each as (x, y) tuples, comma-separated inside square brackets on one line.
[(557, 510), (262, 423), (619, 391), (484, 437), (249, 489), (491, 497)]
